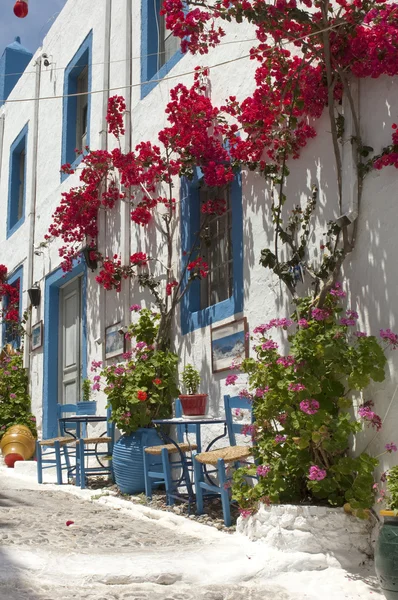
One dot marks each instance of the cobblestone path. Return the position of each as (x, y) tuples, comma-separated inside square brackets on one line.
[(107, 555)]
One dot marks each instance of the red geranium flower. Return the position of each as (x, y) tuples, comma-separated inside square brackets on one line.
[(141, 395)]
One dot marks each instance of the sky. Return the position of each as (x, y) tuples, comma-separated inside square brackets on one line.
[(32, 28)]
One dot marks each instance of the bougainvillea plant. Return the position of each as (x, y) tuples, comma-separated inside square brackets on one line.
[(307, 405), (308, 54), (14, 396), (143, 387), (145, 179)]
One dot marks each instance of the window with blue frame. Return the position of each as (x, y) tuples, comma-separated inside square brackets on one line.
[(11, 329), (76, 109), (17, 182), (220, 294), (160, 49)]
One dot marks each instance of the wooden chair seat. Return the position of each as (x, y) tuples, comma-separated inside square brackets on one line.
[(62, 441), (96, 440), (230, 454), (171, 448)]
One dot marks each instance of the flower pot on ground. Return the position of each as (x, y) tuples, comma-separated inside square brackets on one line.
[(193, 404), (18, 443), (386, 551), (86, 406), (139, 390)]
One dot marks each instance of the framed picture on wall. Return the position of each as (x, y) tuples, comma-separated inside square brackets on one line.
[(229, 345), (37, 335), (114, 341)]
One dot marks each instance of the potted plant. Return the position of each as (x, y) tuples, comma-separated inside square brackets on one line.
[(193, 404), (386, 551), (86, 406), (139, 390), (17, 424)]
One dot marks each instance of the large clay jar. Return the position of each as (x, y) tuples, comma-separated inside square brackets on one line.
[(18, 443), (128, 462), (386, 555)]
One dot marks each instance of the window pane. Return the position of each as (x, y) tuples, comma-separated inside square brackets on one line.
[(21, 183), (82, 110), (217, 250)]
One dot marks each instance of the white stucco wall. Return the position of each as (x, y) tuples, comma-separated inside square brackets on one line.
[(371, 271)]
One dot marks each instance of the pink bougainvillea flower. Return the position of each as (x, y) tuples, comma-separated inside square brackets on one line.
[(231, 379)]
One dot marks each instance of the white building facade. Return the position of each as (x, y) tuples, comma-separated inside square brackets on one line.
[(121, 48)]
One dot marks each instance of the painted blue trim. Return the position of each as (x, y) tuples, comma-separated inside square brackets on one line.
[(82, 59), (149, 49), (17, 274), (54, 282), (191, 316), (13, 63), (19, 145)]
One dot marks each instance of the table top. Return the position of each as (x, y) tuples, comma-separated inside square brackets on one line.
[(189, 421), (84, 419)]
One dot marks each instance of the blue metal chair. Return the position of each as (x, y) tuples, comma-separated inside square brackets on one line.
[(85, 452), (48, 452), (219, 459), (156, 472)]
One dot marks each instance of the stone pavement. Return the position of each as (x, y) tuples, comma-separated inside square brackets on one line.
[(117, 550), (105, 555)]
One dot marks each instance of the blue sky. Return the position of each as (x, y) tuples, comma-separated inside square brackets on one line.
[(33, 28)]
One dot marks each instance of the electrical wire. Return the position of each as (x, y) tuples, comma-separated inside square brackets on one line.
[(118, 60), (167, 78)]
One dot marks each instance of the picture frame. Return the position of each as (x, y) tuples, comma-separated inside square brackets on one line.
[(37, 335), (229, 344), (115, 342)]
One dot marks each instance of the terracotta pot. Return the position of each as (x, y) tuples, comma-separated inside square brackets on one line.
[(18, 443), (194, 405), (386, 555)]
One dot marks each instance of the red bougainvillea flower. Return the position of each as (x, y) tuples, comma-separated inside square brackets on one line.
[(141, 395), (170, 286), (139, 258)]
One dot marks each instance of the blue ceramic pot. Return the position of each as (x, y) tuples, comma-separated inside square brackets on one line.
[(86, 408), (128, 462)]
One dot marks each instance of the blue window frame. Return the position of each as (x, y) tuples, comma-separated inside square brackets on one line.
[(17, 182), (10, 334), (76, 109), (160, 50), (192, 315)]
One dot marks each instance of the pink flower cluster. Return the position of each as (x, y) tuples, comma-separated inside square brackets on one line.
[(259, 393), (303, 323), (391, 447), (310, 407), (263, 470), (269, 345), (367, 414), (285, 361), (337, 291), (389, 336), (279, 439), (231, 380), (296, 387), (320, 314), (351, 319), (284, 323), (316, 473)]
